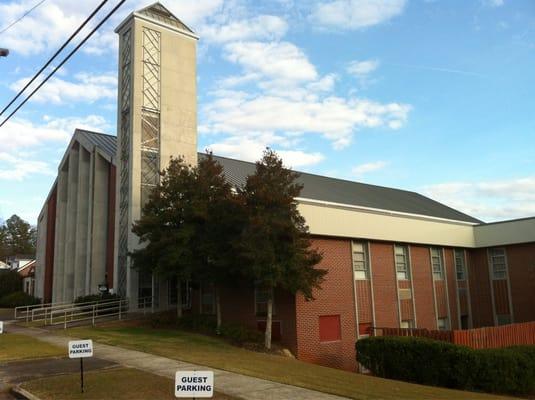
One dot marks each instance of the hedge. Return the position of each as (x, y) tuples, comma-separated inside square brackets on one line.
[(18, 299), (10, 282), (431, 362)]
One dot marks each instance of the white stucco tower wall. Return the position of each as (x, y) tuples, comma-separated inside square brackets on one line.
[(156, 119)]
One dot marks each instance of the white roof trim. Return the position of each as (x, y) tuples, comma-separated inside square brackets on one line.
[(384, 212)]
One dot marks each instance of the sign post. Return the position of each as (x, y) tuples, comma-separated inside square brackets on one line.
[(81, 349), (196, 384)]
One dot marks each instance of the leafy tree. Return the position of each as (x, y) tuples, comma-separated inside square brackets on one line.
[(17, 237), (219, 219), (189, 224), (10, 282), (275, 243), (165, 230)]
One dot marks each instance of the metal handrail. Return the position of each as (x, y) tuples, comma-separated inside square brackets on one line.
[(90, 312), (43, 313), (146, 301), (27, 309)]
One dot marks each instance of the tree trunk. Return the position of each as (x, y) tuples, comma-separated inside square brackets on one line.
[(267, 339), (178, 299), (217, 310)]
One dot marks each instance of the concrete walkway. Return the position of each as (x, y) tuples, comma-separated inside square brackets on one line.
[(232, 384)]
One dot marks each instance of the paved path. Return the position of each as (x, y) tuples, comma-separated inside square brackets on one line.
[(229, 383)]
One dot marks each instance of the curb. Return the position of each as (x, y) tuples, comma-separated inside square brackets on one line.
[(21, 393)]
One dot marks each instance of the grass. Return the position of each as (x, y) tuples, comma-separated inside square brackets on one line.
[(20, 347), (117, 383), (216, 353)]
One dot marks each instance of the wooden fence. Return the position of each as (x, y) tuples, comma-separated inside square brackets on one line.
[(481, 338)]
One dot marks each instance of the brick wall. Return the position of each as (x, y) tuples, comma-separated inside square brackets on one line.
[(521, 260), (423, 287), (479, 284), (384, 284), (451, 275), (50, 241), (335, 298)]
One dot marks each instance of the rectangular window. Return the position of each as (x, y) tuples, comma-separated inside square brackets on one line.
[(407, 324), (498, 263), (437, 264), (402, 262), (360, 260), (207, 300), (503, 319), (442, 324), (261, 296), (330, 329), (464, 321), (460, 267)]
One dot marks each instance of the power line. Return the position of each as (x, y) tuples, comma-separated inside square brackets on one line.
[(53, 57), (22, 16), (64, 61)]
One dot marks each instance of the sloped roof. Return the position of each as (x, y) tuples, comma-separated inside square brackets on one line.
[(322, 188), (158, 12)]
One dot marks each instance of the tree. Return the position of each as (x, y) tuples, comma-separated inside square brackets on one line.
[(165, 232), (17, 237), (189, 225), (275, 244), (219, 220)]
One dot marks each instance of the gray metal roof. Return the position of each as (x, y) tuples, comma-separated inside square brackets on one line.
[(323, 188)]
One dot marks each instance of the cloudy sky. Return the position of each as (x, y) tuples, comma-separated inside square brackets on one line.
[(431, 96)]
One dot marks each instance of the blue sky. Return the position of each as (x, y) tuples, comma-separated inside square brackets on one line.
[(431, 96)]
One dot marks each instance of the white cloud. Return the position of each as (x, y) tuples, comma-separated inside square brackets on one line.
[(355, 14), (16, 167), (281, 61), (85, 88), (250, 149), (333, 117), (261, 27), (489, 200), (20, 133), (362, 68), (369, 167), (49, 25), (494, 3)]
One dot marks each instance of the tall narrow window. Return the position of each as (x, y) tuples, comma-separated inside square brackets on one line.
[(360, 260), (437, 264), (460, 267), (498, 263), (261, 300), (402, 262)]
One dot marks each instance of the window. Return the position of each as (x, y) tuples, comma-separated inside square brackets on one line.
[(360, 260), (402, 262), (261, 296), (207, 300), (498, 263), (442, 324), (459, 265), (503, 319), (464, 321), (330, 329), (407, 324), (436, 264)]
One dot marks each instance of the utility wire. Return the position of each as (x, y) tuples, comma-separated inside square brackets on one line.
[(22, 16), (54, 56), (64, 61)]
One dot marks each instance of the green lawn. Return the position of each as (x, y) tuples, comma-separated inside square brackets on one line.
[(117, 384), (19, 347), (216, 353)]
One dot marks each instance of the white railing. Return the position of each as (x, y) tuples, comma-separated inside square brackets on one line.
[(24, 312), (146, 303), (88, 312), (50, 313)]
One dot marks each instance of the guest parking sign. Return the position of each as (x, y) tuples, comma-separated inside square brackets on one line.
[(196, 384)]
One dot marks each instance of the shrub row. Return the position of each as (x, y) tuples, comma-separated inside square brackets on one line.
[(18, 299), (206, 324), (431, 362)]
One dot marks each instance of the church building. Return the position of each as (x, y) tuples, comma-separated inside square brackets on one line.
[(394, 258)]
